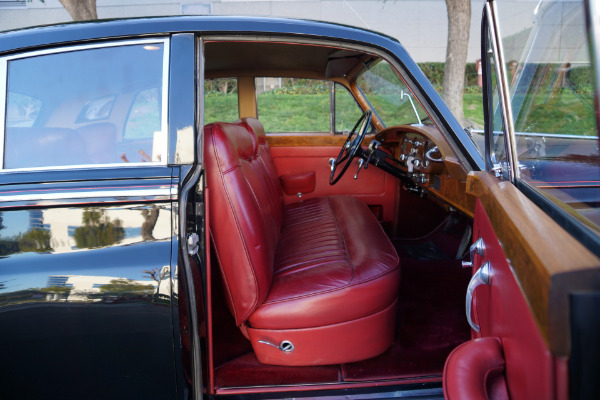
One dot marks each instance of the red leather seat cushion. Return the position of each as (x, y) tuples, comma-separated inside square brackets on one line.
[(333, 264)]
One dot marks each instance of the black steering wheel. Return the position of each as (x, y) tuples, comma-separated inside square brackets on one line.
[(350, 147)]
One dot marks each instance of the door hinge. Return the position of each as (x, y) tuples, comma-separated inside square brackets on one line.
[(192, 243), (501, 171)]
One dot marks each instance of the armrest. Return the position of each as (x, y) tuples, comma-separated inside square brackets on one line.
[(298, 183), (475, 370)]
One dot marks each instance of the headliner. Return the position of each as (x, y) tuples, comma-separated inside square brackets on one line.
[(227, 58)]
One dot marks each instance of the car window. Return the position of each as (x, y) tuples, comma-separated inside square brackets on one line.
[(347, 111), (220, 100), (293, 104), (551, 92), (21, 110), (304, 105), (99, 104), (384, 89)]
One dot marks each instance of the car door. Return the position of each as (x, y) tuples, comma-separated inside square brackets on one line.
[(90, 268), (536, 272)]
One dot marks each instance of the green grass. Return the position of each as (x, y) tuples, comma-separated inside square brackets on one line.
[(566, 113), (221, 108), (473, 108)]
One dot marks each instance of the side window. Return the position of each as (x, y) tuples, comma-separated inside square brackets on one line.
[(101, 104), (347, 111), (305, 105), (384, 89), (221, 100), (293, 105), (493, 109)]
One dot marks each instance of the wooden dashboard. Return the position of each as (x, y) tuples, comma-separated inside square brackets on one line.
[(425, 155)]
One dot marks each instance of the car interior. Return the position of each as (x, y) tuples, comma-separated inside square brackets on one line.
[(316, 285)]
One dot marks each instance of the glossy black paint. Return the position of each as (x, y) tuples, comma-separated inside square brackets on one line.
[(182, 94), (86, 293)]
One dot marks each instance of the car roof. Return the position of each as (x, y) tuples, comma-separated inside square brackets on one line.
[(21, 39)]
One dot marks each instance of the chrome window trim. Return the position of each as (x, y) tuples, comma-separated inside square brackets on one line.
[(166, 193), (592, 14), (3, 95), (510, 143), (164, 126)]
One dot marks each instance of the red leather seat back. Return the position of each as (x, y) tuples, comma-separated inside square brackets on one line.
[(245, 215), (270, 172)]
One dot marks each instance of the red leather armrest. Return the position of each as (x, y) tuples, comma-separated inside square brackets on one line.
[(298, 183), (475, 370)]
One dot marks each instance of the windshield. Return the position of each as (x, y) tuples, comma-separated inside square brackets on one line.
[(384, 90), (552, 99)]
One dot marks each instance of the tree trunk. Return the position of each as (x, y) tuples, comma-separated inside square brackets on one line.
[(80, 10), (459, 21)]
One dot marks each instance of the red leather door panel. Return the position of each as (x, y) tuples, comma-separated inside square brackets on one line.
[(373, 186), (501, 311)]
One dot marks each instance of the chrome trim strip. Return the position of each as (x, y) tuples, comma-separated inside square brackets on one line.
[(165, 99), (538, 134), (3, 95), (112, 43), (592, 13), (166, 193), (509, 137), (82, 166)]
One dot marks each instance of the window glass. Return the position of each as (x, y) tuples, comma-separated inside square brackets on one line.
[(383, 88), (144, 116), (293, 105), (99, 105), (497, 150), (551, 89), (220, 100), (21, 110), (347, 111)]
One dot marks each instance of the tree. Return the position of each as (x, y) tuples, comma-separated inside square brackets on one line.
[(123, 285), (80, 10), (98, 230), (157, 275), (459, 21)]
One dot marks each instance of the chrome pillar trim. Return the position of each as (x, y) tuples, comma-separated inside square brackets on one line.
[(3, 96), (483, 276), (592, 16), (507, 117)]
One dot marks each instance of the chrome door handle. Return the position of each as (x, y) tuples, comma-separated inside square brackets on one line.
[(331, 163), (476, 248), (483, 276)]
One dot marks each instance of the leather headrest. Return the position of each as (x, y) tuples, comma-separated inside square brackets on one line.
[(258, 129), (231, 141)]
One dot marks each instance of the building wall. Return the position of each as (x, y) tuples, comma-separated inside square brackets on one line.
[(421, 25)]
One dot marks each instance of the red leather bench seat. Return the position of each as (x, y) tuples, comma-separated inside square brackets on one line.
[(320, 274)]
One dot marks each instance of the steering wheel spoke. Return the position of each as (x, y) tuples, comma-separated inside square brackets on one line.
[(351, 147)]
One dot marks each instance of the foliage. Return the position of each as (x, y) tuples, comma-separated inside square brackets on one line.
[(126, 286), (37, 240), (98, 230), (56, 289)]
